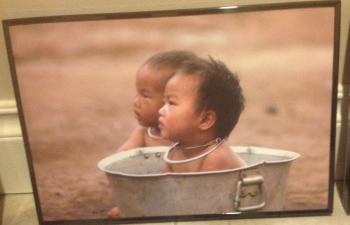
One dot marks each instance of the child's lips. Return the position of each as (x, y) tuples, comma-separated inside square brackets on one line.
[(160, 124), (137, 115)]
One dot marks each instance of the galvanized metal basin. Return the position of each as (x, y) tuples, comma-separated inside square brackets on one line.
[(141, 189)]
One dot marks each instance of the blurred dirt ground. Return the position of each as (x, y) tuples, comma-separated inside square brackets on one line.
[(76, 82)]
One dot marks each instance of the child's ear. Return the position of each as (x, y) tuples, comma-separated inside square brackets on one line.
[(208, 119)]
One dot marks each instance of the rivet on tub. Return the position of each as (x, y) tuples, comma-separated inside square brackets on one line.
[(146, 156), (249, 150), (158, 154)]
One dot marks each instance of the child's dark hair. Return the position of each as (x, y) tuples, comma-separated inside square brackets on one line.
[(170, 60), (219, 90)]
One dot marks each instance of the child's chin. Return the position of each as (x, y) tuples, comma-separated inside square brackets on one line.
[(143, 123), (164, 134)]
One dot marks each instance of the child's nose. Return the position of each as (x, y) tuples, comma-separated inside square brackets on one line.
[(161, 110), (136, 101)]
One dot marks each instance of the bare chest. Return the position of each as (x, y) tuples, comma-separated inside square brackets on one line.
[(193, 166)]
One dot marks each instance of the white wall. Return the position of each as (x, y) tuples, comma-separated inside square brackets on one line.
[(14, 176)]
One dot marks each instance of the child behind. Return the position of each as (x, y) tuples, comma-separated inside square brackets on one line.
[(203, 103), (151, 79)]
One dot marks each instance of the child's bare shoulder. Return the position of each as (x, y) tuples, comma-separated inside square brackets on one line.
[(139, 130), (138, 135), (220, 155), (221, 159)]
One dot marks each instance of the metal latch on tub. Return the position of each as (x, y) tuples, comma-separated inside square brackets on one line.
[(250, 194)]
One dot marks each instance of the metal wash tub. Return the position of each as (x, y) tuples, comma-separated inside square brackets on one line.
[(141, 189)]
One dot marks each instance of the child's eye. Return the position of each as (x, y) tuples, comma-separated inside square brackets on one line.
[(145, 95), (171, 102)]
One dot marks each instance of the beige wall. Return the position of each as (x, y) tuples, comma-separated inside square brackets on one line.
[(14, 176)]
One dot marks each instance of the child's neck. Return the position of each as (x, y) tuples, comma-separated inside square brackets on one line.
[(199, 142), (154, 132)]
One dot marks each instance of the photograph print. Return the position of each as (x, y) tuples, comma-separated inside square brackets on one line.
[(217, 112)]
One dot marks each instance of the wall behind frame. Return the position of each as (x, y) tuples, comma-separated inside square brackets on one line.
[(14, 175)]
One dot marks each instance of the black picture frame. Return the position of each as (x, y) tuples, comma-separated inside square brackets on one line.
[(27, 94)]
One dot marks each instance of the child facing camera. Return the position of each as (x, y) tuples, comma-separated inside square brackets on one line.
[(203, 103), (151, 79)]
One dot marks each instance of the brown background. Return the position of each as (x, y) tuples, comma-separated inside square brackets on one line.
[(76, 82)]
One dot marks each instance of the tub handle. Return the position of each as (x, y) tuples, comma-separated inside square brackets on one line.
[(247, 181)]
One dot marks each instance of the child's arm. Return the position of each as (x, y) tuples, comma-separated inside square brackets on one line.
[(136, 139)]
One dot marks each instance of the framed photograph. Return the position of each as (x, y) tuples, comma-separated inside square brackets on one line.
[(76, 80), (343, 157)]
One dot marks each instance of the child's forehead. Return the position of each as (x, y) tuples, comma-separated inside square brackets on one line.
[(184, 84), (156, 79), (154, 75), (186, 78)]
